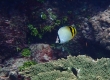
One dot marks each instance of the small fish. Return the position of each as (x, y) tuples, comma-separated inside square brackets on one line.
[(65, 34)]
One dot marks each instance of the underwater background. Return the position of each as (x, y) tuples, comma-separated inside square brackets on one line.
[(28, 32)]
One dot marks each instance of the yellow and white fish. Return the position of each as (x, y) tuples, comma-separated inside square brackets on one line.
[(65, 34)]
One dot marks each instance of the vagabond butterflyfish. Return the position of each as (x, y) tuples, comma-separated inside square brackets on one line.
[(65, 34)]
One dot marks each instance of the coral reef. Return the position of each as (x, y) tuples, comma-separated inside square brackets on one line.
[(76, 68), (97, 28), (55, 75), (30, 26)]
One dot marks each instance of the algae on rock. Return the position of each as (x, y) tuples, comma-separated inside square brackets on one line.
[(72, 68)]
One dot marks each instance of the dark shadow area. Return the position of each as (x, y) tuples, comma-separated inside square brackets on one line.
[(95, 50)]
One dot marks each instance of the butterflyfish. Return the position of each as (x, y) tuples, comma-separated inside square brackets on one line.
[(65, 34)]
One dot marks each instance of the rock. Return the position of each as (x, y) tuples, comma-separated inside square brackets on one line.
[(41, 52), (14, 63), (98, 28), (4, 75), (13, 75), (10, 69)]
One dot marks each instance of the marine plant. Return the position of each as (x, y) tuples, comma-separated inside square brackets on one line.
[(40, 36), (26, 65), (47, 28), (64, 19), (57, 22), (26, 52), (52, 16), (43, 16), (33, 30)]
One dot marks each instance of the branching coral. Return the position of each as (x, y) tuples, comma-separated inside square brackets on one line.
[(86, 69)]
